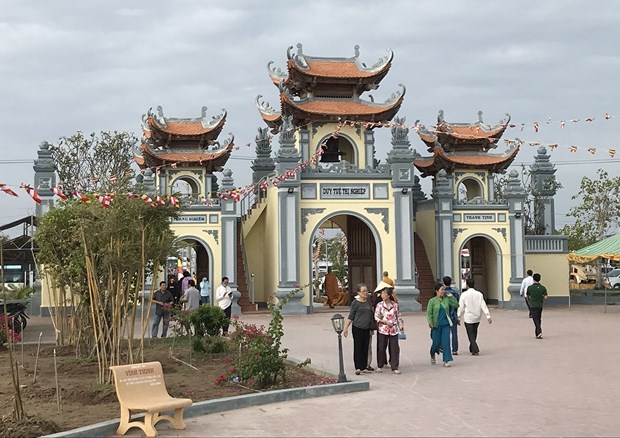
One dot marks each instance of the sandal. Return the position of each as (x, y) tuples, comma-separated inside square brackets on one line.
[(396, 371), (378, 370)]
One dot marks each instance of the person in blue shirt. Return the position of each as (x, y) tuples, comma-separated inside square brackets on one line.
[(447, 282)]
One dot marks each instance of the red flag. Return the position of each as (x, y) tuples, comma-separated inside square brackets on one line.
[(160, 200), (58, 192), (573, 149), (7, 190), (174, 201), (32, 192), (146, 198), (104, 200), (592, 150), (78, 195)]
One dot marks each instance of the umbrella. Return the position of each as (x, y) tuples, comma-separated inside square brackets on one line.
[(607, 248)]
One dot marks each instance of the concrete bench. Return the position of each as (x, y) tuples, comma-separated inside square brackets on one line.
[(141, 388)]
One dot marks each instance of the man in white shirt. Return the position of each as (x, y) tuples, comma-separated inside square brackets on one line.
[(527, 282), (224, 295), (191, 297), (471, 308)]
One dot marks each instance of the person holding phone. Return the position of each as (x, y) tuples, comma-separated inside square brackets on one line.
[(224, 296)]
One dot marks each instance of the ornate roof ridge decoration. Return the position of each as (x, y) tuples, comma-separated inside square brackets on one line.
[(450, 161), (451, 134), (270, 115), (191, 126), (393, 101), (214, 157), (304, 63)]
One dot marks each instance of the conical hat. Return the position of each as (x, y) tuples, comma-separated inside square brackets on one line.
[(383, 285)]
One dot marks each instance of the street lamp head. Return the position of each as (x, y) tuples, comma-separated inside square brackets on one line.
[(338, 323)]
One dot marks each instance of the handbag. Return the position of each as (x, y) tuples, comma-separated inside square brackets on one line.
[(402, 335)]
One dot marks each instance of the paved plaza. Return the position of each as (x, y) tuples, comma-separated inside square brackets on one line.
[(566, 384)]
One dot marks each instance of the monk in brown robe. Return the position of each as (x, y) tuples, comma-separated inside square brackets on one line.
[(331, 288)]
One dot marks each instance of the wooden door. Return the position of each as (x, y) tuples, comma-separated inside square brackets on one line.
[(362, 255)]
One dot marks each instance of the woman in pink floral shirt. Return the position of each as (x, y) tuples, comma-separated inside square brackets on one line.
[(386, 315)]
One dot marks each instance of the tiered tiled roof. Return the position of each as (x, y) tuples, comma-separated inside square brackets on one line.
[(183, 142), (328, 89), (463, 136), (450, 161), (463, 146), (310, 73)]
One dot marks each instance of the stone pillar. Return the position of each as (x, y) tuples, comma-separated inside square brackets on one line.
[(369, 147), (515, 196), (443, 193), (289, 222), (229, 240), (544, 188), (263, 164), (44, 179), (400, 158)]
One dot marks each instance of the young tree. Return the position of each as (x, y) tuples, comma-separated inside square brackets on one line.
[(598, 212), (94, 163), (97, 259)]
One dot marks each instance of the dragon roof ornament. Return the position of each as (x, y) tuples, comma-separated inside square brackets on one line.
[(398, 94), (264, 106), (302, 60), (276, 72)]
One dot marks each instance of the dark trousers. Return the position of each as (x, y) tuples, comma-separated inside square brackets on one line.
[(228, 313), (528, 306), (472, 334), (455, 336), (386, 342), (441, 339), (361, 339), (537, 317)]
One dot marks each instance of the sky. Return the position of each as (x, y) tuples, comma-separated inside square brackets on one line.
[(100, 65)]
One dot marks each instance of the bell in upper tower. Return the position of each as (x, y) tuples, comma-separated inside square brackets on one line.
[(332, 152)]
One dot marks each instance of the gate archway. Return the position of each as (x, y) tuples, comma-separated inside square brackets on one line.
[(363, 250), (484, 265)]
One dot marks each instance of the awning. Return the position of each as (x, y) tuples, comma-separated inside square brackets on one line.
[(607, 248)]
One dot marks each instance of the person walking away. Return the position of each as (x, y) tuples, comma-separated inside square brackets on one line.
[(360, 317), (205, 291), (447, 283), (471, 308), (185, 281), (438, 318), (163, 300), (527, 282), (224, 295), (386, 315), (536, 295), (191, 297)]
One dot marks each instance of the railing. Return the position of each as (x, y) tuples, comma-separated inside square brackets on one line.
[(251, 198), (546, 244)]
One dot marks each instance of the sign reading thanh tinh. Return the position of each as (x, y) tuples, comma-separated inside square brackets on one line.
[(345, 191)]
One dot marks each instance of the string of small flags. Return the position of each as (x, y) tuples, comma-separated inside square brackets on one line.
[(536, 126), (572, 148)]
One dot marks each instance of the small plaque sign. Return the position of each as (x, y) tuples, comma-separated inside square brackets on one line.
[(190, 219), (345, 191), (479, 217)]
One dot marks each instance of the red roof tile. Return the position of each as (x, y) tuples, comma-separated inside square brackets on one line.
[(339, 107)]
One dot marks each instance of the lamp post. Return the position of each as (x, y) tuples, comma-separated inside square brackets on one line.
[(338, 324)]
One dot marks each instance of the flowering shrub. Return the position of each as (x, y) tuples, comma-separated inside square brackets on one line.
[(6, 322), (261, 356)]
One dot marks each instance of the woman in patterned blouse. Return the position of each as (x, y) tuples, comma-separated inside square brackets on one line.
[(386, 315)]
